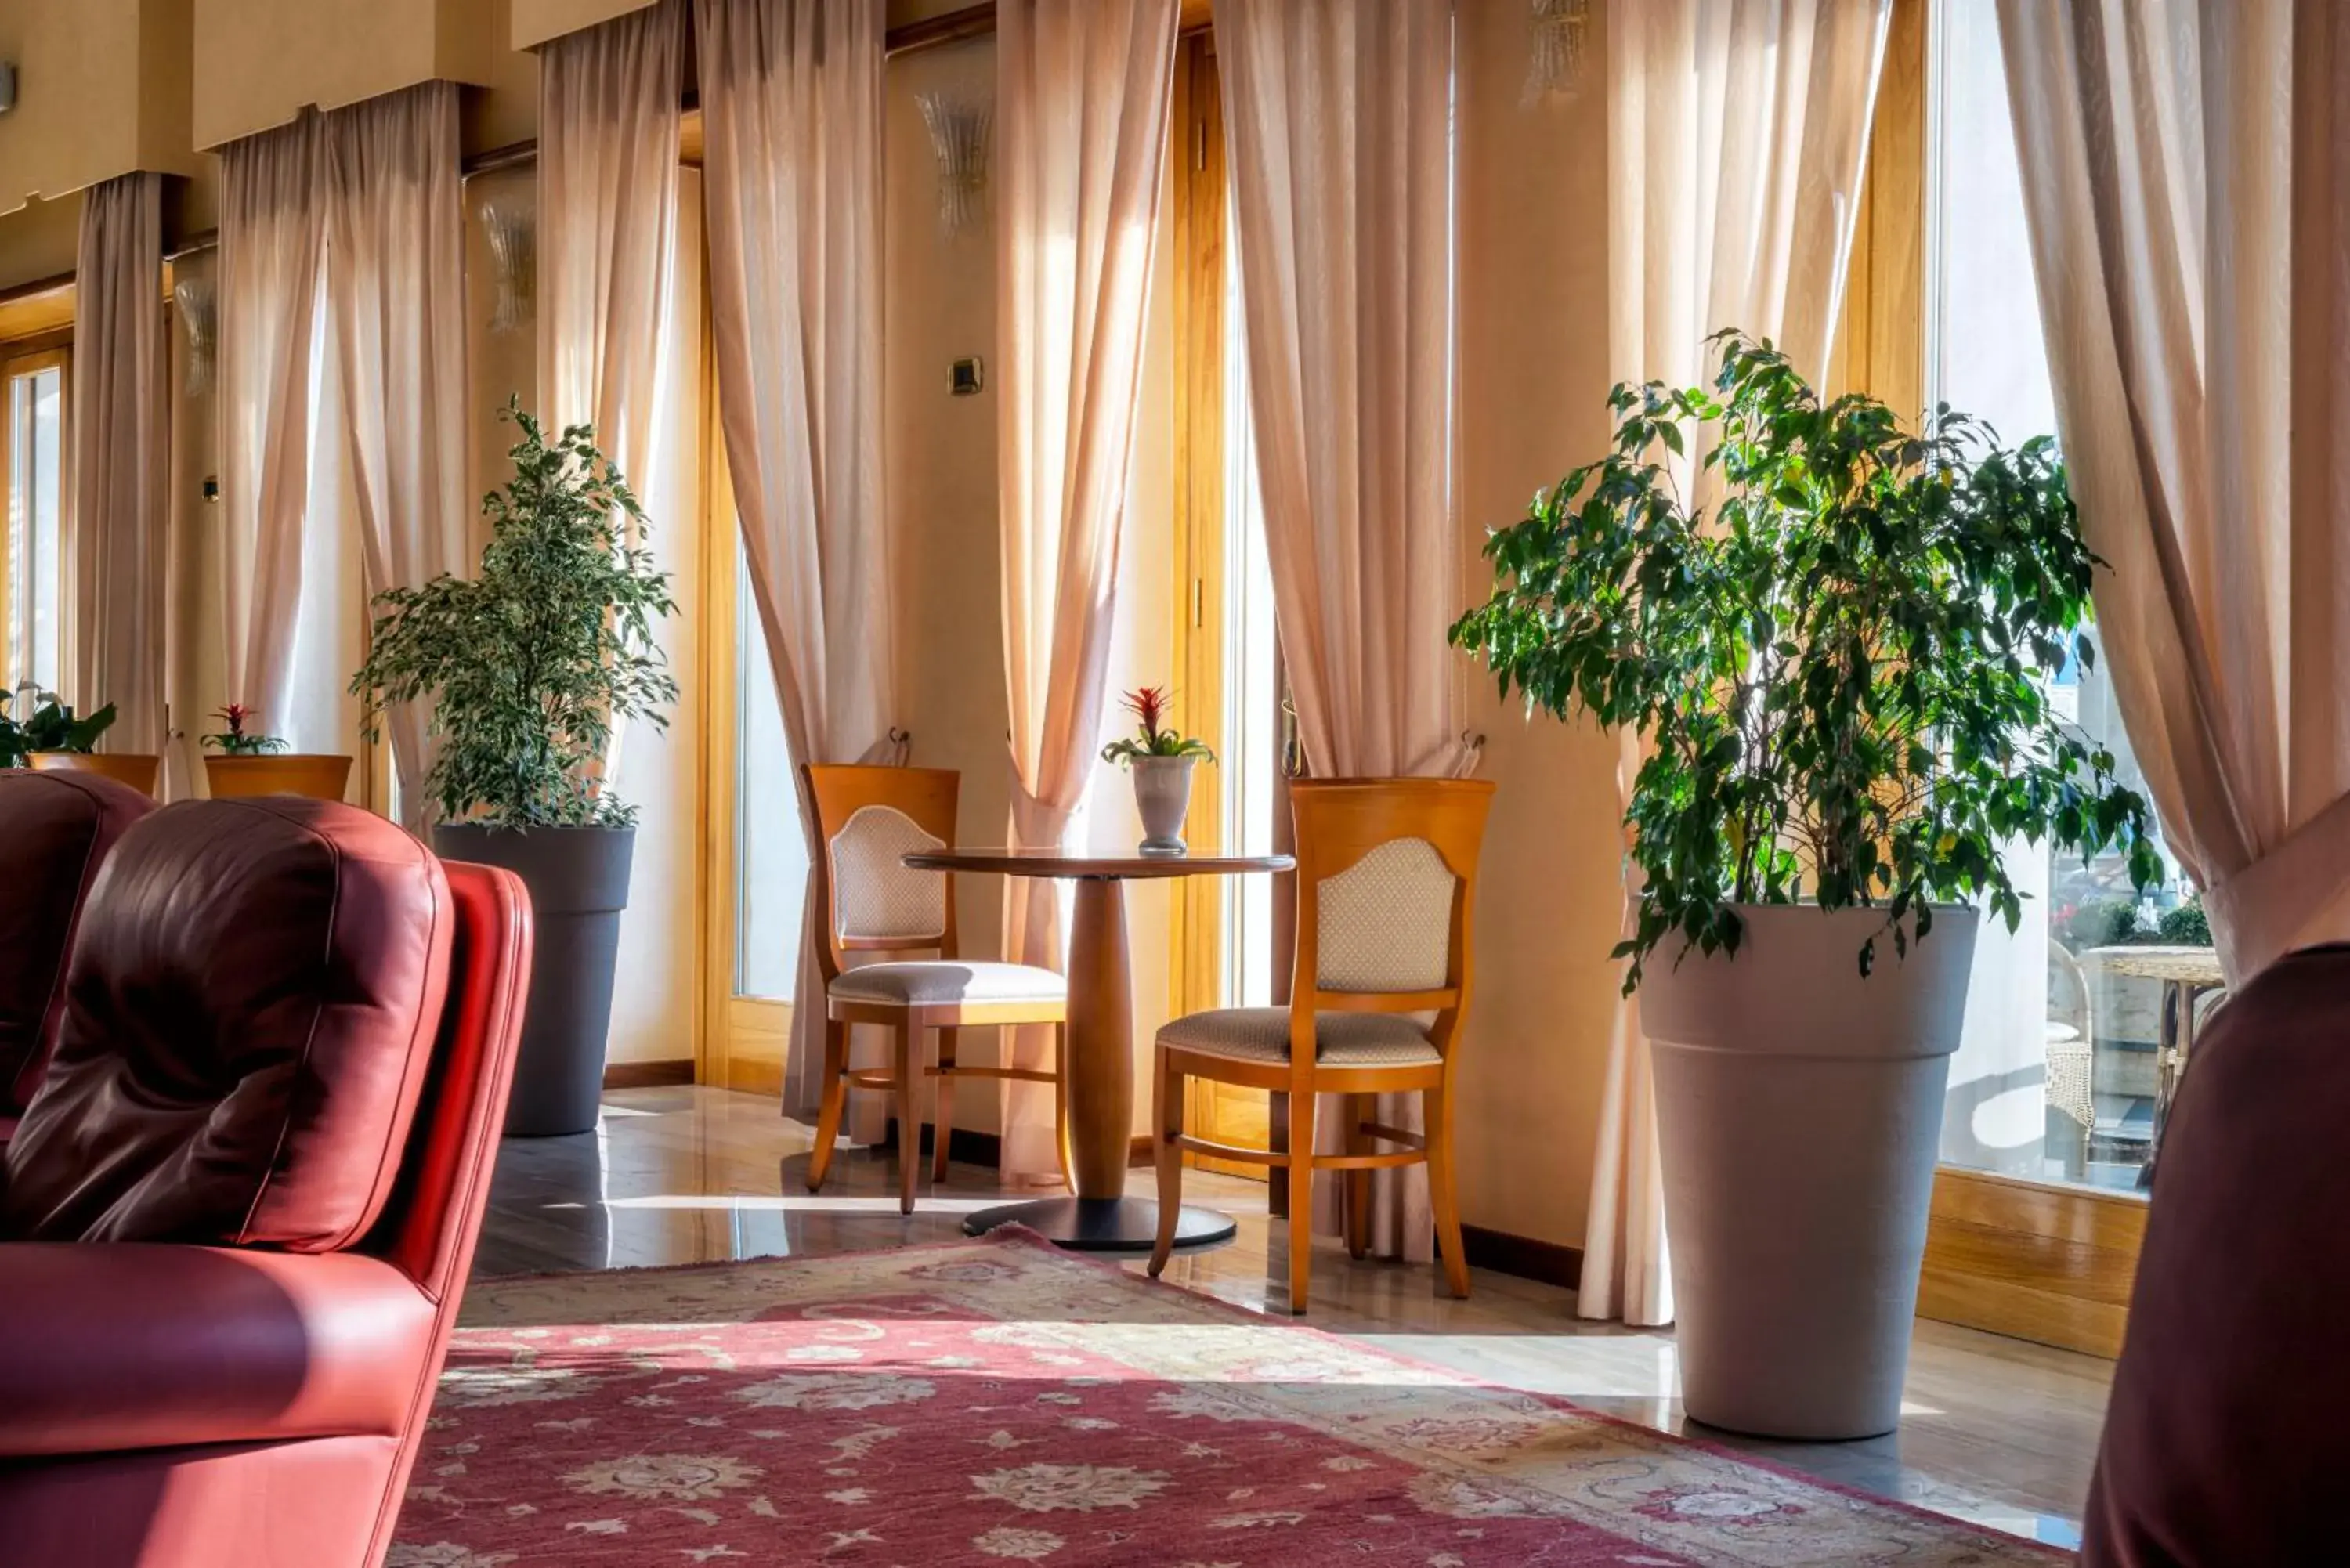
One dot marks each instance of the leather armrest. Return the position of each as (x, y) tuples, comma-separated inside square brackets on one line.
[(106, 1347)]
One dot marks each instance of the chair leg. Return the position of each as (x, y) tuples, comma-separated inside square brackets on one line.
[(910, 1129), (1301, 1198), (836, 1100), (1358, 1182), (1443, 1196), (942, 1117), (1061, 1106), (1167, 1117)]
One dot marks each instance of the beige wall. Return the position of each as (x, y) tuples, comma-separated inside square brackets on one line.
[(194, 73), (102, 89), (259, 63), (1533, 380), (536, 21)]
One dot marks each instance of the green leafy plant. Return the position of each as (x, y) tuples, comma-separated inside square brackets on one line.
[(532, 661), (52, 726), (2103, 923), (1838, 674), (2186, 926), (234, 741), (1151, 737)]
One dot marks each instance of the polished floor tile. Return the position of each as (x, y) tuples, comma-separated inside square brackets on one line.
[(1994, 1429)]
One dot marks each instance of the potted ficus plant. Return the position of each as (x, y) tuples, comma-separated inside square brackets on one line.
[(528, 665), (1161, 758), (1837, 679), (48, 733), (242, 761)]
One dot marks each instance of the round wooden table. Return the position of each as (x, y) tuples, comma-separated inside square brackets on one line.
[(1098, 1073)]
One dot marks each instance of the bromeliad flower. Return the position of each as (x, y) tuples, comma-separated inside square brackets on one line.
[(1152, 737), (234, 739)]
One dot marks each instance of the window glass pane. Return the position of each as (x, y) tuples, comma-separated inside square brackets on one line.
[(48, 514), (2056, 1077), (771, 855), (36, 436), (1251, 758)]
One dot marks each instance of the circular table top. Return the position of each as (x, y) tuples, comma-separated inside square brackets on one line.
[(1053, 862), (2184, 966)]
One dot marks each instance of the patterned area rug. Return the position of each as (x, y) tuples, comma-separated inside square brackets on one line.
[(998, 1402)]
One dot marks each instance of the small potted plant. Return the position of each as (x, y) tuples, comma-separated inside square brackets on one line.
[(1839, 678), (528, 664), (50, 735), (1160, 760), (248, 762)]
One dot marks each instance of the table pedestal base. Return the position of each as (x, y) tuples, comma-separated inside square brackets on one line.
[(1104, 1224)]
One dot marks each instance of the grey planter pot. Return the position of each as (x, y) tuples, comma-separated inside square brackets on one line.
[(1799, 1112), (579, 883), (1162, 795)]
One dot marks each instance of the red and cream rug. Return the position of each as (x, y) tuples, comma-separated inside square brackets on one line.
[(998, 1402)]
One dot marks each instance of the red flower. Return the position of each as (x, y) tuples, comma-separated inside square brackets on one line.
[(1148, 704)]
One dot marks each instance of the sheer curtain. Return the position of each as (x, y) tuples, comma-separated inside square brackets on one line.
[(121, 499), (791, 99), (272, 241), (1082, 96), (396, 281), (608, 186), (1337, 117), (1737, 131), (2187, 197)]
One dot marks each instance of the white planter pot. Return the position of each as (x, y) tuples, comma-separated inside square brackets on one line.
[(1162, 793), (1799, 1110)]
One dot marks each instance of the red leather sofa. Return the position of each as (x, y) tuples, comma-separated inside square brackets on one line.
[(2224, 1445), (240, 1212), (55, 829)]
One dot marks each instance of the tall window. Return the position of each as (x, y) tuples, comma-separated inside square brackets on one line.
[(2058, 1077), (34, 451)]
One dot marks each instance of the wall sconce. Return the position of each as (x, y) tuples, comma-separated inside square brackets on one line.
[(198, 306), (512, 224), (1554, 68), (959, 126)]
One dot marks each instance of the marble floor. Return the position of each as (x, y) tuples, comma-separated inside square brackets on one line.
[(1993, 1429)]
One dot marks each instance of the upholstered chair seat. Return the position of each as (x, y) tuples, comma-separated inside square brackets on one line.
[(1340, 1039), (1387, 875), (874, 905), (930, 983)]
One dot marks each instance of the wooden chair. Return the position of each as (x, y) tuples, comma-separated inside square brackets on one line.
[(1386, 878), (867, 819)]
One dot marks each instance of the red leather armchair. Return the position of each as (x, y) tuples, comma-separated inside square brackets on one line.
[(242, 1209), (55, 829)]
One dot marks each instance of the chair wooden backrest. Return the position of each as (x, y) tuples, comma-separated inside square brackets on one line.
[(867, 817), (1387, 881)]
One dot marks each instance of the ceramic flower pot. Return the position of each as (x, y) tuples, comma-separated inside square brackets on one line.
[(1162, 793), (139, 770), (1799, 1114), (579, 883), (321, 776)]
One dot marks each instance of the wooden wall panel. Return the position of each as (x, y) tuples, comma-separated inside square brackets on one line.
[(2032, 1260)]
